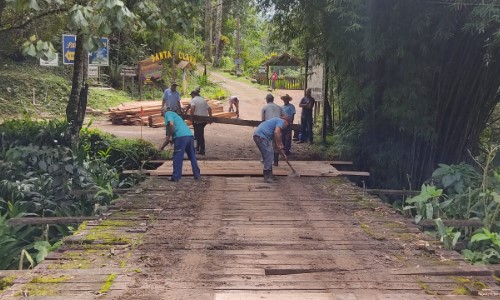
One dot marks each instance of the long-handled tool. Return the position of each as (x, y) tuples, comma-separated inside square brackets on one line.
[(294, 173)]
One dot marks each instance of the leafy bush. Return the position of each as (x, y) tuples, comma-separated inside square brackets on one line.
[(461, 193), (39, 174), (22, 132), (121, 153), (428, 204), (485, 248)]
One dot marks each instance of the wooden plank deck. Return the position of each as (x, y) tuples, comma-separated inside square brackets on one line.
[(239, 238), (254, 168)]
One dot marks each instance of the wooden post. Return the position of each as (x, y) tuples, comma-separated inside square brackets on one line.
[(140, 81)]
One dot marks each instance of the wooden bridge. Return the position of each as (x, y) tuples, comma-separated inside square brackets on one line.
[(241, 239)]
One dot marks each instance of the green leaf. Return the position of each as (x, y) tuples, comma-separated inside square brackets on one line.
[(105, 28), (31, 50), (441, 227), (78, 19), (496, 197), (34, 5), (43, 250), (42, 165), (455, 238), (479, 237), (418, 218), (429, 211)]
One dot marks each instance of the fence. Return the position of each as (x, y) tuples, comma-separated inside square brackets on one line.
[(288, 84)]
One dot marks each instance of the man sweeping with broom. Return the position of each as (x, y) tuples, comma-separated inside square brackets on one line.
[(263, 138)]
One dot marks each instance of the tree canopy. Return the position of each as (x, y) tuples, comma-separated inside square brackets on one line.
[(414, 81)]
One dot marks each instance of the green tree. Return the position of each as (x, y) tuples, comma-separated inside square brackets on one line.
[(414, 81), (89, 20)]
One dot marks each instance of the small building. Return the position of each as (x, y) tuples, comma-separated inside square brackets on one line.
[(289, 69)]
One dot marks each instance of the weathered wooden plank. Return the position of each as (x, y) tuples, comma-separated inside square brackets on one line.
[(452, 223), (275, 296), (353, 173), (251, 168), (49, 220), (341, 163), (391, 192)]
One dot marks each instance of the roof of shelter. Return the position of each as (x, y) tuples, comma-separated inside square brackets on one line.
[(284, 59)]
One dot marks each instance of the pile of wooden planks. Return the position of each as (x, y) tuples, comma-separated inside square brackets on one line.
[(130, 113), (156, 120), (148, 113)]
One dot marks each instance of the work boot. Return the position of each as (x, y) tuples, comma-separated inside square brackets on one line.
[(276, 158), (273, 178), (267, 176)]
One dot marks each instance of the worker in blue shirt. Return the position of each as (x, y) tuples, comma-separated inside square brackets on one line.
[(267, 132), (179, 132)]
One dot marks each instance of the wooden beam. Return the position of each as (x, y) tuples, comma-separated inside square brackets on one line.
[(339, 163), (354, 173), (453, 223), (240, 122), (49, 220), (392, 192)]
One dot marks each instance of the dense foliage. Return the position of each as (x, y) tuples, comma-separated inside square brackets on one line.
[(42, 176), (459, 192), (413, 83)]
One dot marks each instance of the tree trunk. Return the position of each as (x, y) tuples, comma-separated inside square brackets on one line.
[(218, 32), (75, 111), (238, 36), (208, 30)]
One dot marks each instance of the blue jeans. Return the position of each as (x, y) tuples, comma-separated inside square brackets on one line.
[(306, 128), (184, 144), (266, 150), (286, 138)]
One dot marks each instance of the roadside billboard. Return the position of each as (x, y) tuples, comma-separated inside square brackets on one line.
[(100, 57)]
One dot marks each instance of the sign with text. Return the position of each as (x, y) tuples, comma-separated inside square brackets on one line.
[(93, 71), (50, 63), (69, 46), (100, 57), (149, 70), (128, 71)]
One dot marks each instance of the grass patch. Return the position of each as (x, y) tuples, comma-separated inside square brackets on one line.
[(118, 223), (107, 284), (81, 264), (371, 233), (42, 286), (27, 88), (33, 91), (50, 279), (425, 287), (7, 281), (105, 98)]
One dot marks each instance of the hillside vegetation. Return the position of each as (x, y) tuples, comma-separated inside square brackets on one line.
[(26, 88)]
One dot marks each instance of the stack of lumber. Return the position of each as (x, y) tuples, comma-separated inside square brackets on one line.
[(130, 113), (156, 120)]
